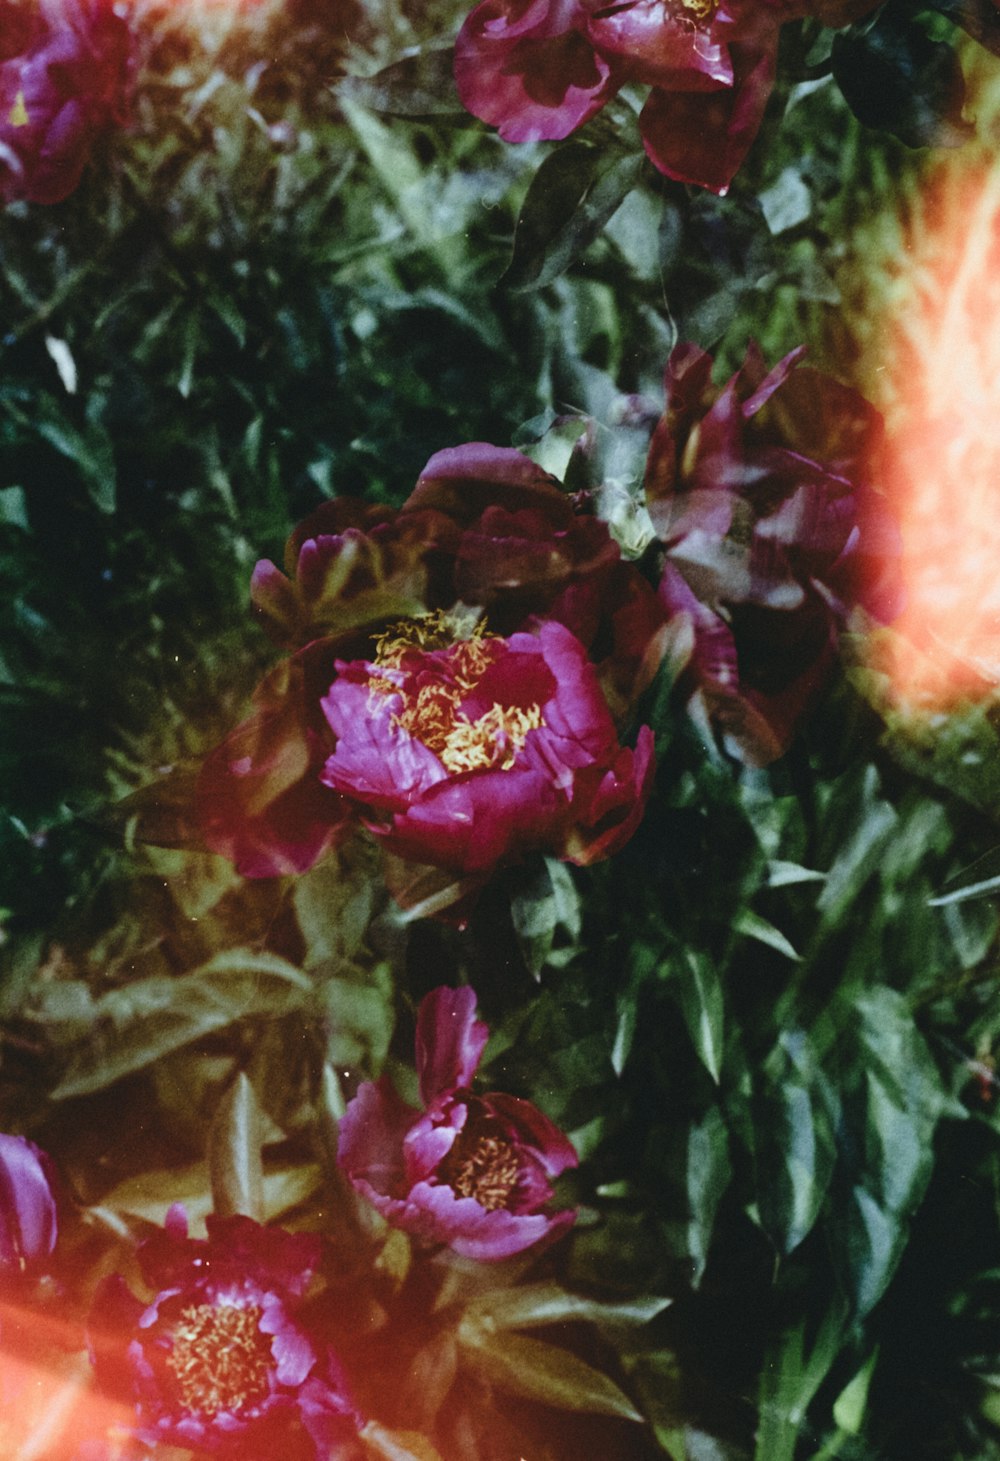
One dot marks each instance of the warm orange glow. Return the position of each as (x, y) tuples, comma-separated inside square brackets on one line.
[(941, 391), (48, 1402)]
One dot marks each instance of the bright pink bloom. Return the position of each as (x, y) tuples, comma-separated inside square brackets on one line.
[(28, 1222), (470, 1172), (760, 494), (219, 1360), (529, 68), (65, 69), (484, 750)]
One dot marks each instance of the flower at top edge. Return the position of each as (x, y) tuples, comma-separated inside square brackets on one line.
[(28, 1218), (469, 1172), (773, 534), (538, 69), (218, 1360), (65, 75), (467, 752)]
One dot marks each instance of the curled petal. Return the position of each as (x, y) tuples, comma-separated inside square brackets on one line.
[(450, 1042)]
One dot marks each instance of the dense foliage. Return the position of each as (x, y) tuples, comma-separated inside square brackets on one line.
[(543, 817)]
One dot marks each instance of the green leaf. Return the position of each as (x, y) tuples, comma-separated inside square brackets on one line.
[(795, 1118), (538, 1304), (547, 917), (234, 1153), (418, 86), (571, 197), (131, 1027), (896, 78), (980, 18), (699, 992), (543, 1372), (751, 925)]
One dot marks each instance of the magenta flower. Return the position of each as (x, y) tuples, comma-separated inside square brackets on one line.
[(773, 535), (539, 70), (466, 753), (470, 1172), (28, 1222), (65, 68), (218, 1361)]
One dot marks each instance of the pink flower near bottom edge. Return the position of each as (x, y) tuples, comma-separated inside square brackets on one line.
[(472, 1173)]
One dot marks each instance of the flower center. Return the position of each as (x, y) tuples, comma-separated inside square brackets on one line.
[(483, 1165), (18, 114), (220, 1359), (432, 709), (699, 10)]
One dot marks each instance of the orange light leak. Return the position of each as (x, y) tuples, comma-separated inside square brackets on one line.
[(49, 1404), (943, 453)]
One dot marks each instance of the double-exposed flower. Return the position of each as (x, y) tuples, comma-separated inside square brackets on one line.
[(761, 495), (65, 68), (469, 1172), (219, 1359), (539, 69), (459, 670)]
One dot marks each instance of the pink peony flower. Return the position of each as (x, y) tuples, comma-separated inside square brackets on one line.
[(219, 1361), (28, 1221), (773, 534), (65, 68), (470, 1172), (471, 752)]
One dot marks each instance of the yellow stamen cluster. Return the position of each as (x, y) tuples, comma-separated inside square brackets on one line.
[(220, 1359), (485, 1167), (700, 9), (434, 715)]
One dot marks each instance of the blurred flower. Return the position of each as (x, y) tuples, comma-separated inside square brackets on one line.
[(760, 494), (471, 1172), (28, 1224), (218, 1361), (539, 70), (466, 752), (65, 67)]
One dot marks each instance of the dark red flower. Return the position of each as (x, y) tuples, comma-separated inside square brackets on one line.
[(65, 68), (773, 534), (466, 753), (471, 1172), (218, 1361)]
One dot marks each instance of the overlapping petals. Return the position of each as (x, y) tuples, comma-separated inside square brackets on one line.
[(540, 70), (488, 541), (219, 1360), (773, 534), (477, 754), (65, 68), (469, 1172)]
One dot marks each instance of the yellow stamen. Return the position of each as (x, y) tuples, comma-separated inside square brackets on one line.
[(485, 1167), (18, 114), (220, 1359)]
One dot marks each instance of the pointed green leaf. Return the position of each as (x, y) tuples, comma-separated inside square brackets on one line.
[(543, 1372), (546, 1303), (234, 1153)]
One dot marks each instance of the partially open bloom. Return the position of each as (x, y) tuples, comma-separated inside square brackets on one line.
[(218, 1360), (538, 69), (466, 752), (28, 1221), (470, 1172), (64, 78), (773, 534)]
